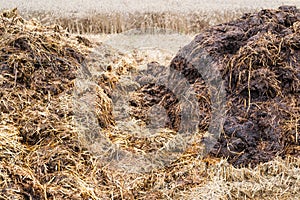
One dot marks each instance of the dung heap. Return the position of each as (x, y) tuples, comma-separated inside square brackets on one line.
[(258, 57), (38, 144)]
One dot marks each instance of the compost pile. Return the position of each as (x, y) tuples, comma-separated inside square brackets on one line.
[(40, 155), (42, 152), (258, 57)]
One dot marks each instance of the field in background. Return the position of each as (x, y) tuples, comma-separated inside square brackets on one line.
[(116, 22), (188, 17), (80, 7)]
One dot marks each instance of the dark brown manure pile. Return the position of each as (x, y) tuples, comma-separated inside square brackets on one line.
[(258, 59)]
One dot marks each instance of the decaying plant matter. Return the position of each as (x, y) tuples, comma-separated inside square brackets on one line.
[(258, 58), (43, 154)]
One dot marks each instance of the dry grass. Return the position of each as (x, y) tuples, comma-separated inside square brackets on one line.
[(117, 22), (273, 180)]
